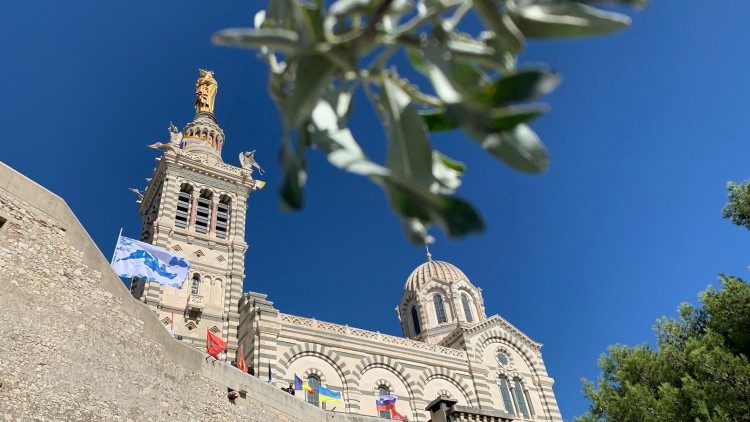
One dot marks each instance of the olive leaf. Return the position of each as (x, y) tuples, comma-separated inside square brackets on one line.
[(321, 53)]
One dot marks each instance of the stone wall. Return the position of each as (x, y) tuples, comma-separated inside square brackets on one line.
[(76, 346)]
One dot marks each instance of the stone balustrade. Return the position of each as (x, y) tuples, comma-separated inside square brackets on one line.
[(370, 335)]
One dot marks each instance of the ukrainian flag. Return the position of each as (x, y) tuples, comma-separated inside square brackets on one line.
[(329, 396)]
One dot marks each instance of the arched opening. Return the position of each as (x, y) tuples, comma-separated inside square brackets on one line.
[(195, 284), (312, 397), (437, 300), (203, 212), (467, 307), (223, 209), (384, 391), (415, 321), (182, 215), (520, 398), (505, 394)]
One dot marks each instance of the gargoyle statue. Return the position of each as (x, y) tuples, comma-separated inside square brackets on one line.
[(175, 138), (248, 161), (137, 192)]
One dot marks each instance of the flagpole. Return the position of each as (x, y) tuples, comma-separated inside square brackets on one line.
[(119, 235)]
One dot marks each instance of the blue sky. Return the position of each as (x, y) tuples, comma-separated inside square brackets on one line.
[(644, 132)]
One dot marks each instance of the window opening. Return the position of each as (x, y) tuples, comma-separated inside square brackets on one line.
[(314, 384), (203, 212), (222, 217), (439, 309), (520, 399), (415, 320), (467, 307), (195, 285), (383, 391), (182, 216), (505, 393)]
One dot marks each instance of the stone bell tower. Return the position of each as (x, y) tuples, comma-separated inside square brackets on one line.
[(195, 206)]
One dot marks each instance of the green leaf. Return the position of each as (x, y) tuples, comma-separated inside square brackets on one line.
[(273, 38), (311, 78), (565, 19), (409, 152), (416, 232), (295, 177), (312, 15), (508, 37), (638, 4), (437, 120), (282, 14), (456, 217), (438, 68), (329, 132), (506, 118), (466, 76), (480, 120), (520, 148), (521, 86), (447, 173), (346, 7), (449, 162)]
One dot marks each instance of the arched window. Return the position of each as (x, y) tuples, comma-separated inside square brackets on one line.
[(182, 216), (439, 309), (505, 394), (314, 383), (196, 284), (203, 212), (222, 217), (383, 391), (415, 320), (467, 307), (520, 399)]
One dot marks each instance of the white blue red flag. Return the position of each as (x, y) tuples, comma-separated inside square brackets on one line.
[(385, 402), (137, 259)]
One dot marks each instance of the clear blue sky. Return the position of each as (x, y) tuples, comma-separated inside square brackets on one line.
[(645, 131)]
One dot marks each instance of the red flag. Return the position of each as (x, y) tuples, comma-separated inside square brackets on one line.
[(214, 345), (241, 364), (396, 416)]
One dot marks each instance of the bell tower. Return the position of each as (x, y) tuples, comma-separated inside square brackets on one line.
[(195, 205)]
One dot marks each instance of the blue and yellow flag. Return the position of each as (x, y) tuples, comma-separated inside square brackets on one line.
[(329, 396)]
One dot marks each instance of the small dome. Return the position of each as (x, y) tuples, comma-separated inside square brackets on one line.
[(433, 270), (205, 129)]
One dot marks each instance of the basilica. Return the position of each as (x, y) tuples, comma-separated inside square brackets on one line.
[(195, 206)]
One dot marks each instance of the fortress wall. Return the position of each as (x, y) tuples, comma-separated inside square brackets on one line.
[(95, 277)]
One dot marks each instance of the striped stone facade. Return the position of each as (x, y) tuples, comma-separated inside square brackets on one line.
[(461, 362), (449, 347), (210, 303)]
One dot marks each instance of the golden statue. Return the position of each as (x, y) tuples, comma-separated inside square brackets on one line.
[(205, 92)]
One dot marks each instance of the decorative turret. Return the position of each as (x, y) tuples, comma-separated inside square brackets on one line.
[(204, 133)]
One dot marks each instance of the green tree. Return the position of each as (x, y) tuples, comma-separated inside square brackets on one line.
[(699, 372), (320, 52), (738, 206)]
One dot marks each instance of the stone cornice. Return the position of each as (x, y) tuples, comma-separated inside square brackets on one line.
[(372, 336), (482, 326), (212, 166)]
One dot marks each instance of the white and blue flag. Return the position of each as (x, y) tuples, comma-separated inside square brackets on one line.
[(137, 259)]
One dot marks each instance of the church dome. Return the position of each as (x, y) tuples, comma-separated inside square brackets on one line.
[(433, 270)]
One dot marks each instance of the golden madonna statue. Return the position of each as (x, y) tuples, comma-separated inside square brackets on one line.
[(205, 92)]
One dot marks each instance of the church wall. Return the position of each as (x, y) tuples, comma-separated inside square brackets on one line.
[(369, 382), (442, 386)]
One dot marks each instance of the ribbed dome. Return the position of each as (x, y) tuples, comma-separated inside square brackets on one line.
[(433, 270)]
